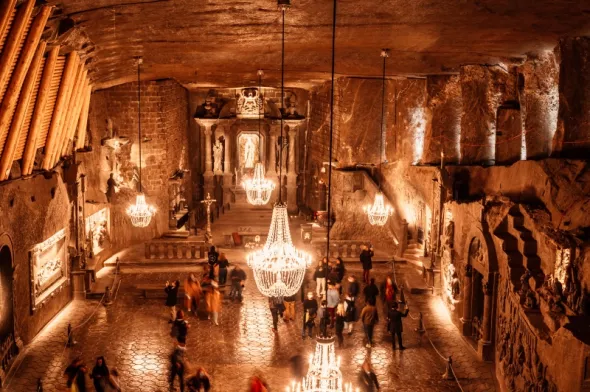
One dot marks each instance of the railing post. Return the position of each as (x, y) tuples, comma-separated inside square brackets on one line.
[(449, 374), (39, 386)]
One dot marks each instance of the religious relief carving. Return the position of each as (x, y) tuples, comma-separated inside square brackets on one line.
[(48, 268), (477, 254), (249, 149), (248, 144), (290, 111), (217, 157), (249, 103), (97, 231)]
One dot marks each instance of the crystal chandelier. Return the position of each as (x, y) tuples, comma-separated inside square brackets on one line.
[(324, 373), (258, 189), (378, 212), (140, 213), (279, 267)]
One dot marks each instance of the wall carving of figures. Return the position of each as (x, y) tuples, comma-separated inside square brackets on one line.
[(478, 255), (98, 231), (217, 157), (48, 268), (249, 103)]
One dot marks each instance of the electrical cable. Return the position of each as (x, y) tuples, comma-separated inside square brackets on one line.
[(330, 152)]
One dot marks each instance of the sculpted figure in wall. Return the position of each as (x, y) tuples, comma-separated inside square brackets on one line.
[(249, 153), (217, 154)]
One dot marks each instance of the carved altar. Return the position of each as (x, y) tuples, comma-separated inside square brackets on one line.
[(48, 268)]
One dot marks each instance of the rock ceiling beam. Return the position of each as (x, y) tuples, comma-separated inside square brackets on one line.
[(83, 120), (19, 117), (77, 102), (6, 13), (37, 120)]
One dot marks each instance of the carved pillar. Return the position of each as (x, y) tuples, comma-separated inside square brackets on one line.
[(208, 174), (272, 156), (227, 169), (292, 173), (484, 346), (467, 294)]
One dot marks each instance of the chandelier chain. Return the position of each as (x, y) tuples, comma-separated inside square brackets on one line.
[(330, 152), (283, 10), (139, 116)]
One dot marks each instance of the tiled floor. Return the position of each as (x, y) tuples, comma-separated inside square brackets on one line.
[(133, 334)]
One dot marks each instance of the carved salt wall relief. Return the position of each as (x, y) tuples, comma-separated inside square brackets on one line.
[(98, 231), (48, 268), (249, 103)]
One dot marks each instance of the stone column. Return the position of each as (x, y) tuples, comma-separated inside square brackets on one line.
[(292, 172), (227, 169), (467, 294), (208, 174), (484, 346), (272, 155)]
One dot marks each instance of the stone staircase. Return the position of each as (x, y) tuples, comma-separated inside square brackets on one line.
[(414, 254)]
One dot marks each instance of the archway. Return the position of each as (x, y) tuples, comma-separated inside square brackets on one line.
[(8, 346)]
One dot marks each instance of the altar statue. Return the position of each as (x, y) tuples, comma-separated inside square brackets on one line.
[(217, 151), (249, 153)]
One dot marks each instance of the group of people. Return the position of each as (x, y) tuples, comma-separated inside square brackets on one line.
[(103, 378)]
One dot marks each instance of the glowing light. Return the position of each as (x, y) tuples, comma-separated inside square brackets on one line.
[(258, 189), (378, 212), (324, 373), (279, 267), (418, 124), (141, 213)]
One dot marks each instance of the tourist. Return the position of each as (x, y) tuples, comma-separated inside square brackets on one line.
[(223, 265), (396, 326), (193, 292), (180, 327), (366, 261), (340, 270), (353, 287), (332, 277), (275, 305), (340, 320), (350, 311), (324, 317), (320, 279), (368, 378), (212, 261), (310, 307), (237, 277), (213, 299), (371, 291), (201, 381), (369, 317), (172, 298), (75, 375), (289, 303), (100, 374), (332, 298), (178, 364), (257, 384), (114, 384), (388, 292)]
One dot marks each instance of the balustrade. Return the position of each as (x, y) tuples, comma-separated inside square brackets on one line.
[(175, 250), (340, 248)]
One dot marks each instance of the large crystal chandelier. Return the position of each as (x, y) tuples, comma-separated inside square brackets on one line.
[(324, 373), (258, 189), (140, 213), (279, 267), (378, 213)]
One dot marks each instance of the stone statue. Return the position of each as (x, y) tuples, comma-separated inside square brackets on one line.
[(249, 153), (217, 152), (455, 287), (111, 187), (282, 159)]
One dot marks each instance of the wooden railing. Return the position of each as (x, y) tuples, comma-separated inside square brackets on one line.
[(175, 250), (340, 248)]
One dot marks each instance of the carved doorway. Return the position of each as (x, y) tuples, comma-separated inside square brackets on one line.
[(8, 346)]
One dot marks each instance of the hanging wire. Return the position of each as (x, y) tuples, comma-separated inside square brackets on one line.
[(260, 72), (139, 61), (331, 131), (385, 55), (283, 9)]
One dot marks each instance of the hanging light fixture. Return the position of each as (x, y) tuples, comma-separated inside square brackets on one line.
[(258, 189), (279, 267), (378, 212), (140, 213)]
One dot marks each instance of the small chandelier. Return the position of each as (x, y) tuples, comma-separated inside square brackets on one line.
[(279, 267), (258, 189), (140, 213), (324, 373), (378, 213)]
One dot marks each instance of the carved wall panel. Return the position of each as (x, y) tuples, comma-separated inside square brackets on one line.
[(248, 150), (48, 267), (249, 103), (98, 231)]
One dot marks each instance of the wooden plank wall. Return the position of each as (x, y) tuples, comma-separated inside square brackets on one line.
[(44, 95)]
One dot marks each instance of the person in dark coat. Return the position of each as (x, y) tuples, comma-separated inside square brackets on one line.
[(396, 326), (310, 308), (178, 366), (275, 305), (100, 374), (350, 313), (181, 326), (319, 276), (339, 268), (201, 381), (75, 373), (369, 317), (324, 317), (212, 261), (237, 277), (171, 290), (223, 265), (353, 287), (367, 262), (371, 291), (368, 378)]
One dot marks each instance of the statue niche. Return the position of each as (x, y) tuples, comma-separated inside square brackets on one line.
[(248, 151)]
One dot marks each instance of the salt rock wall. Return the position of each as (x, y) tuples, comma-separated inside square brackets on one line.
[(164, 120), (33, 210)]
